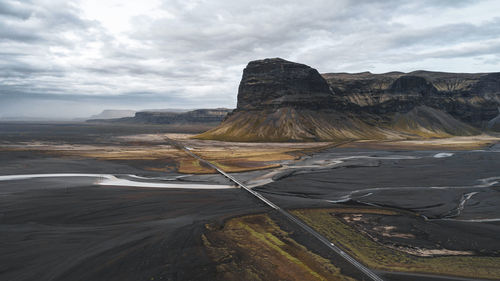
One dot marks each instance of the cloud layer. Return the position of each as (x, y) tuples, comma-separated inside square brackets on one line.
[(75, 58)]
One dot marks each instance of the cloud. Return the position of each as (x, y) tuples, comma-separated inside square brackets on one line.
[(14, 9), (154, 53)]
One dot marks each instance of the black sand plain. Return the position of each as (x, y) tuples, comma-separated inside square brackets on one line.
[(72, 229), (418, 182)]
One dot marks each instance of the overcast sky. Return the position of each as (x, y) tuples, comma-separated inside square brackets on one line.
[(65, 59)]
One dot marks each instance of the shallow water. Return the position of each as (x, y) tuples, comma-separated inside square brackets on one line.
[(443, 184), (111, 180)]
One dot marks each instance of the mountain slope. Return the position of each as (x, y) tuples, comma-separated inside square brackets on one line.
[(290, 124), (426, 121)]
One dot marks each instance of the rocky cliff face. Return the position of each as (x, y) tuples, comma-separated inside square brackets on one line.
[(280, 100), (471, 98), (277, 83)]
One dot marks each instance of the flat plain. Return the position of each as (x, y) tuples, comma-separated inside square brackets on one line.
[(409, 210)]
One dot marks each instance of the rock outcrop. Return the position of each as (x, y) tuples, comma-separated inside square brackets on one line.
[(280, 100), (277, 83)]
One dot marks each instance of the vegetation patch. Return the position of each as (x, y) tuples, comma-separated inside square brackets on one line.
[(453, 143), (151, 152), (255, 248), (377, 256), (190, 165)]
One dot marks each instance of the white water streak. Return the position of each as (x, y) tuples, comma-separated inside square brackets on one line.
[(111, 180), (487, 182), (443, 155)]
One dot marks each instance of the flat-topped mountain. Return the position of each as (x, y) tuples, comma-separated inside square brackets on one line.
[(213, 116), (279, 100), (276, 83), (194, 116)]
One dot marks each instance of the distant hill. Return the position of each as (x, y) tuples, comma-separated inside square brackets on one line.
[(198, 116), (113, 113), (280, 100), (178, 110)]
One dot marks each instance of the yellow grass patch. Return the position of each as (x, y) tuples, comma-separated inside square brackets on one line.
[(255, 248), (453, 143), (189, 165)]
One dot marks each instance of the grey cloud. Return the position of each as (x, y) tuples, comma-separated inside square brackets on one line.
[(194, 55), (38, 22), (8, 32), (471, 51), (14, 9), (452, 33)]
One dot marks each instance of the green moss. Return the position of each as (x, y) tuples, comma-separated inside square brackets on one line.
[(275, 243), (263, 251), (377, 256)]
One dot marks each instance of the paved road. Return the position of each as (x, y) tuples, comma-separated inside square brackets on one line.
[(369, 273)]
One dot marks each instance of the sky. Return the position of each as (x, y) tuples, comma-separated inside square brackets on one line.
[(63, 59)]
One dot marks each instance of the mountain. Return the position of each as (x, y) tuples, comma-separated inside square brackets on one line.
[(277, 83), (176, 110), (494, 124), (214, 116), (194, 116), (112, 113), (472, 98), (279, 100)]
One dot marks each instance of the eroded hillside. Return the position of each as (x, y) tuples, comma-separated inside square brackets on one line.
[(280, 100)]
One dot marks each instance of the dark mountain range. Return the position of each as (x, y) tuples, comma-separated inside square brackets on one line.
[(280, 100), (472, 98)]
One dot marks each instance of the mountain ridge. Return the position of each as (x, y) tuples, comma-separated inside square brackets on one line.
[(280, 100), (212, 116)]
